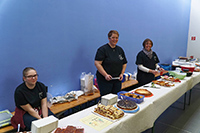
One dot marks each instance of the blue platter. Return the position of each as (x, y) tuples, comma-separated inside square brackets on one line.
[(129, 111)]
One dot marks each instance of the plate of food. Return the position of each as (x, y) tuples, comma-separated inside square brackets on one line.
[(127, 106), (163, 83), (170, 78), (144, 92), (108, 112), (69, 129)]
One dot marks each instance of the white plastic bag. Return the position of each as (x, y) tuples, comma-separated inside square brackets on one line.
[(87, 83)]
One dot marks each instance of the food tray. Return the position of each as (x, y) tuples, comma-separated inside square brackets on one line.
[(130, 98), (109, 119), (65, 127)]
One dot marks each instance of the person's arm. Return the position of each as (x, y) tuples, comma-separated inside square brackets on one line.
[(100, 68), (147, 70), (143, 68), (44, 107), (30, 110), (122, 72)]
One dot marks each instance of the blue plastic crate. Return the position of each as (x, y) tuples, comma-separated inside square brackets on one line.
[(130, 98)]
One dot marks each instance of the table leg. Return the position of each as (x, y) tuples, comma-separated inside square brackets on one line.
[(184, 101), (152, 129), (190, 93)]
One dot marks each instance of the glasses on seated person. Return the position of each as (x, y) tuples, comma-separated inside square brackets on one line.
[(32, 76)]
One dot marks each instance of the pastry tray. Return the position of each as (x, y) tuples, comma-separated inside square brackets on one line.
[(65, 127), (107, 117), (130, 98)]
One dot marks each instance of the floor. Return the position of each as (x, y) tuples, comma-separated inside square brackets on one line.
[(177, 120)]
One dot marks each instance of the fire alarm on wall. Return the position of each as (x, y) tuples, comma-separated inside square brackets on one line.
[(193, 38)]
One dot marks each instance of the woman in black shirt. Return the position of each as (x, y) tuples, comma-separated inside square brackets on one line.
[(147, 64), (30, 100), (110, 62)]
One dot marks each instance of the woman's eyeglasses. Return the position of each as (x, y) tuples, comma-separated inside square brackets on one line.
[(32, 76)]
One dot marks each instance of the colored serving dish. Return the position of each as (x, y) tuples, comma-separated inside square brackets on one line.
[(131, 96)]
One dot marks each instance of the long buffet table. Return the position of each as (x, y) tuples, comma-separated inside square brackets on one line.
[(150, 109)]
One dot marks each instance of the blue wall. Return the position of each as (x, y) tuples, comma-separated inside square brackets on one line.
[(60, 37)]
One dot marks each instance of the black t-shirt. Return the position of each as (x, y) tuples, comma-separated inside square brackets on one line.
[(143, 59), (24, 95), (113, 60)]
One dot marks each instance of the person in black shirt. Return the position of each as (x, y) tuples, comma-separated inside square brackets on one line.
[(110, 61), (147, 64), (30, 100)]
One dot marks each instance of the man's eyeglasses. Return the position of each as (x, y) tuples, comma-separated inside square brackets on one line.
[(32, 76)]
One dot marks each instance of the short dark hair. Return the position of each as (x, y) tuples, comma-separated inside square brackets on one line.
[(146, 40), (112, 32), (26, 70)]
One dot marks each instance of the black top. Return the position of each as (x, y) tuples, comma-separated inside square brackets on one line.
[(24, 95), (143, 59), (113, 60)]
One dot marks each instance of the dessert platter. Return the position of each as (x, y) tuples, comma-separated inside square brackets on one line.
[(163, 83), (109, 112), (144, 92), (131, 96), (127, 106), (69, 129), (170, 78)]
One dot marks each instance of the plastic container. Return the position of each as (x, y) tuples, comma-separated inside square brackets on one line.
[(109, 99), (191, 68), (5, 117), (166, 66), (130, 98)]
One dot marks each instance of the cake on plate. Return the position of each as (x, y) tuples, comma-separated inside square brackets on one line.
[(126, 104), (144, 92)]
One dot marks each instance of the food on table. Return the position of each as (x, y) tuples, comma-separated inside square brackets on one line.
[(197, 64), (69, 129), (197, 69), (109, 111), (126, 104), (163, 83), (144, 92), (132, 95), (170, 78)]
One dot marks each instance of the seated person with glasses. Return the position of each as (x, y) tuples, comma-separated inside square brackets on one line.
[(30, 100)]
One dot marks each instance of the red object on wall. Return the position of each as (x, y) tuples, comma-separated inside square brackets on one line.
[(193, 38)]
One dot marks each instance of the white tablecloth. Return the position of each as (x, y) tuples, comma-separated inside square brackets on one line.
[(150, 109)]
